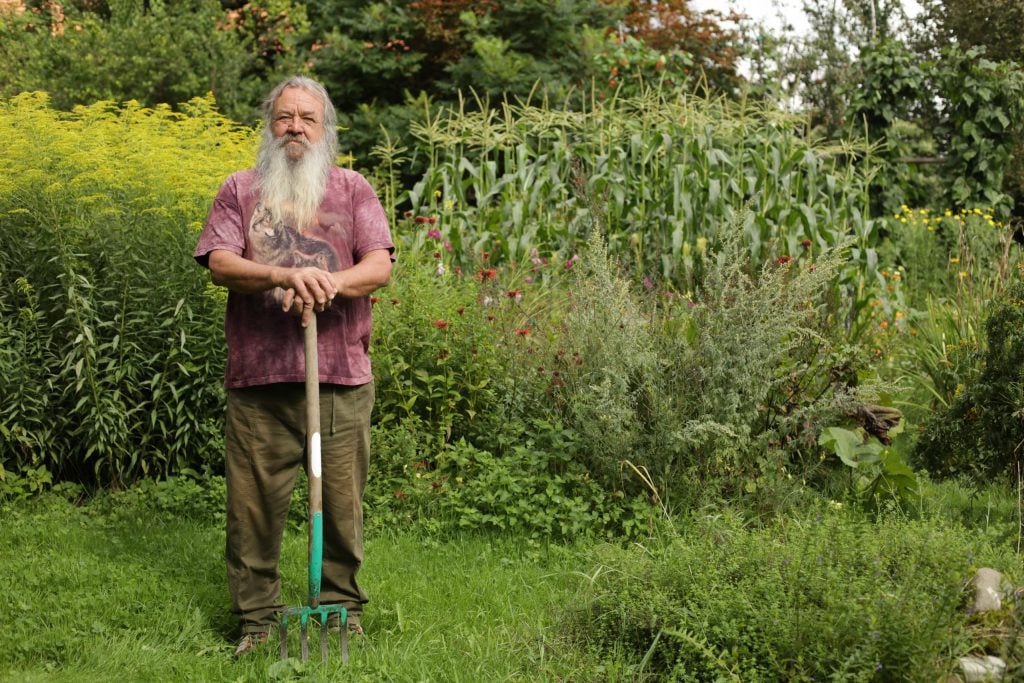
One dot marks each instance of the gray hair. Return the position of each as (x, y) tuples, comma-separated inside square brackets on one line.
[(308, 84)]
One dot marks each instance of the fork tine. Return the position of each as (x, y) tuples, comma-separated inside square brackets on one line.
[(304, 642), (344, 643), (284, 639), (323, 640)]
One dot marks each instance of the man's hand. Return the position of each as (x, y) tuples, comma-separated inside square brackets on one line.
[(302, 291), (306, 291)]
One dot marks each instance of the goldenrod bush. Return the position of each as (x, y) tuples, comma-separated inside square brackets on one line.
[(111, 360)]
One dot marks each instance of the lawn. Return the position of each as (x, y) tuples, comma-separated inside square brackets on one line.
[(118, 588)]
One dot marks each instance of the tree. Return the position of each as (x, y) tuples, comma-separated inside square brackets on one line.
[(674, 25), (151, 51)]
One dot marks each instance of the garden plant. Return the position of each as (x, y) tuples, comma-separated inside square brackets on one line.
[(671, 385)]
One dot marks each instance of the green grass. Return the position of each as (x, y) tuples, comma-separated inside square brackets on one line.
[(98, 596), (131, 587)]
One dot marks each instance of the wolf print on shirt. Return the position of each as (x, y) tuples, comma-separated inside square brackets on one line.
[(278, 244)]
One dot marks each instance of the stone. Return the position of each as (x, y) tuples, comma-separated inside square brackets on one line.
[(988, 590)]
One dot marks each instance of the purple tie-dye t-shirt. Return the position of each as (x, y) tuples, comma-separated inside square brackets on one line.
[(264, 342)]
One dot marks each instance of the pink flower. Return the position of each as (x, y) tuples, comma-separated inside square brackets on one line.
[(434, 234)]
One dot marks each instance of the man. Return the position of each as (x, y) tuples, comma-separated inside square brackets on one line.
[(295, 237)]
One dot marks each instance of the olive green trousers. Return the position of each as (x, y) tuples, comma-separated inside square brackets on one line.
[(265, 436)]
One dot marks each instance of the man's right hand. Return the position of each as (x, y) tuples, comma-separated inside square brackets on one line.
[(306, 291)]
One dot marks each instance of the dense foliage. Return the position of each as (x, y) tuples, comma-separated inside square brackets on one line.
[(620, 298), (108, 336), (807, 599), (131, 365)]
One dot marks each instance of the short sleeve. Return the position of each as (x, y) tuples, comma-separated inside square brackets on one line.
[(371, 223), (223, 228)]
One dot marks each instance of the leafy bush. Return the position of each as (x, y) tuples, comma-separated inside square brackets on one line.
[(528, 482), (809, 599), (111, 342), (981, 430), (155, 53)]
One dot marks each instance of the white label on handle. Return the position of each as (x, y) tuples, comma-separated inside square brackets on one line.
[(314, 454)]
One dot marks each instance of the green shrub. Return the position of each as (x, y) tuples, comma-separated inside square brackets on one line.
[(152, 52), (528, 482), (823, 599), (111, 340), (981, 430)]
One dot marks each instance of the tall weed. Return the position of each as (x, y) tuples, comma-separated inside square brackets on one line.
[(118, 346)]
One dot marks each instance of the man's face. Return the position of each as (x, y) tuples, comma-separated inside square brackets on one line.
[(297, 121)]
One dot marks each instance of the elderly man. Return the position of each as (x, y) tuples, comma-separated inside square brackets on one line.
[(295, 237)]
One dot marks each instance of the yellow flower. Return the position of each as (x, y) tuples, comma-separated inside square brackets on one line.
[(954, 259)]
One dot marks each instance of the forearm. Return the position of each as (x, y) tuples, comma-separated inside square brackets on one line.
[(365, 277), (242, 275)]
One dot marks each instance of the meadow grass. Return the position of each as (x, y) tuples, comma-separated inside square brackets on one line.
[(122, 595), (114, 589)]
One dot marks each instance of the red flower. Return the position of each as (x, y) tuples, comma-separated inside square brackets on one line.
[(806, 244), (374, 300), (783, 260), (460, 310), (486, 274), (514, 294), (440, 324), (523, 331), (394, 302)]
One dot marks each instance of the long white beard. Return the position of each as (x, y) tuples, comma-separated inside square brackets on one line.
[(293, 189)]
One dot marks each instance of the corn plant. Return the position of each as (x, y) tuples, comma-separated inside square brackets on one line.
[(671, 168)]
